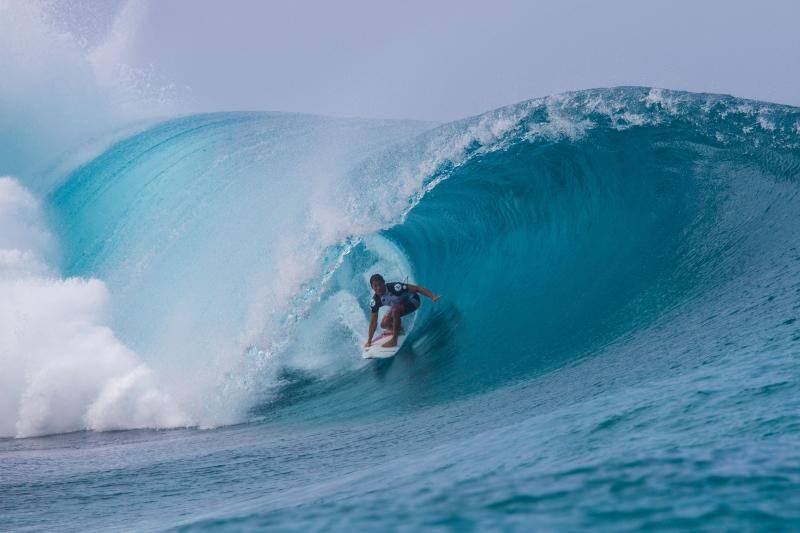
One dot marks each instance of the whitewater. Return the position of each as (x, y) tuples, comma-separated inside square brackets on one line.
[(183, 301)]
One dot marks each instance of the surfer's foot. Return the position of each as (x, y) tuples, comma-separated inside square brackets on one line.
[(391, 343)]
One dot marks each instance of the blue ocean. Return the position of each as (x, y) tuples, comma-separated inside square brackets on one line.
[(184, 301)]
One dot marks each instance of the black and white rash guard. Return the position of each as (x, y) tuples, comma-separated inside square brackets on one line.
[(396, 292)]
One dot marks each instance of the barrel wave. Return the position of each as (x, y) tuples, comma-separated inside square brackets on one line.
[(616, 345)]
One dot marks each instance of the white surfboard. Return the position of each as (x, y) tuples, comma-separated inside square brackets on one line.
[(376, 350)]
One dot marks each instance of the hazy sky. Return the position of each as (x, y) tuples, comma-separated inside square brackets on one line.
[(446, 60)]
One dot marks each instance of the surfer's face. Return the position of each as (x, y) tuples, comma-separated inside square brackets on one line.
[(379, 287)]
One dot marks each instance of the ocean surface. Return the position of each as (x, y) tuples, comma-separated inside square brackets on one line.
[(183, 302)]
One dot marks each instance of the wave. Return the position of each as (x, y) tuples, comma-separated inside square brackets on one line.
[(560, 227), (236, 246)]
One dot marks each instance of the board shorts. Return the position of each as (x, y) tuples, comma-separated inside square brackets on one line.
[(414, 300)]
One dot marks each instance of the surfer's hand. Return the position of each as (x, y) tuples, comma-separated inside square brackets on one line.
[(367, 344), (435, 297)]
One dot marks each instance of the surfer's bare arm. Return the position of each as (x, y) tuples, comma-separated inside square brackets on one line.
[(373, 325), (423, 291)]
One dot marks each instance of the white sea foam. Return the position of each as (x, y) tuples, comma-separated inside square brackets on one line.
[(559, 124), (660, 98), (765, 123), (63, 367)]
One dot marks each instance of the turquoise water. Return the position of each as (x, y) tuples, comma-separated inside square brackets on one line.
[(617, 345)]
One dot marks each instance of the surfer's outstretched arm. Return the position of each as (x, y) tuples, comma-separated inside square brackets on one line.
[(423, 291), (373, 325)]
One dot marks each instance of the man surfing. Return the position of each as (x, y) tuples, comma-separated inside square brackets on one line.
[(403, 298)]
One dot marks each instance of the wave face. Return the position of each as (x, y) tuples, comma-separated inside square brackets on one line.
[(616, 343), (249, 212)]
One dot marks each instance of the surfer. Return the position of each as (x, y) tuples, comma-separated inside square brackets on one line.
[(403, 298)]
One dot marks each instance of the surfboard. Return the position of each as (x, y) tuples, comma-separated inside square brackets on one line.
[(376, 350)]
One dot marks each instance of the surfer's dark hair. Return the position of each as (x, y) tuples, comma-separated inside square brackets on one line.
[(376, 277)]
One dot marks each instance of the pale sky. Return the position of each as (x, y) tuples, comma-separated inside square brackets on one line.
[(450, 59)]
